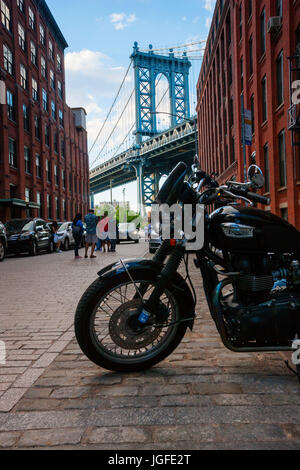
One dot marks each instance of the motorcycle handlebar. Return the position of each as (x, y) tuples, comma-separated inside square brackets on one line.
[(260, 199)]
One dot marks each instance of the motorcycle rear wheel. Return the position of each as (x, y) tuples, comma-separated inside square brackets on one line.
[(104, 318)]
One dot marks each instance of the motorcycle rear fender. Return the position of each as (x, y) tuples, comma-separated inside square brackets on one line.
[(178, 285)]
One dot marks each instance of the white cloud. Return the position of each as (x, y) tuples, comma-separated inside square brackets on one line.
[(208, 22), (209, 5), (92, 81), (122, 20)]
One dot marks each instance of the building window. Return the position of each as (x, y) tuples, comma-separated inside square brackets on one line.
[(278, 7), (43, 67), (35, 93), (249, 8), (8, 59), (52, 80), (48, 171), (23, 74), (49, 206), (57, 211), (284, 213), (27, 160), (61, 118), (33, 53), (282, 159), (232, 153), (62, 148), (26, 117), (64, 209), (51, 51), (47, 136), (241, 20), (27, 194), (251, 56), (5, 15), (37, 127), (56, 176), (267, 168), (38, 166), (242, 74), (45, 99), (10, 105), (53, 109), (31, 18), (263, 32), (55, 142), (58, 59), (252, 113), (230, 70), (42, 35), (39, 202), (59, 88), (280, 79), (22, 39), (12, 152), (20, 4), (231, 112), (63, 178), (264, 99)]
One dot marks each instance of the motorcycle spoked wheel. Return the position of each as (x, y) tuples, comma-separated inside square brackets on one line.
[(106, 324)]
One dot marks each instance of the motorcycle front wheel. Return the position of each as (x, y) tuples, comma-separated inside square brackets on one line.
[(106, 324)]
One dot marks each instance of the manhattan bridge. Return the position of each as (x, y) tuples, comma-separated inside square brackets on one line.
[(151, 124)]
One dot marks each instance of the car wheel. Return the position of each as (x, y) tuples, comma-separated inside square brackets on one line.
[(33, 249), (66, 244), (2, 251)]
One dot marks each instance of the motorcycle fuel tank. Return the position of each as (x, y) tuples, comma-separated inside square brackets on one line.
[(239, 228)]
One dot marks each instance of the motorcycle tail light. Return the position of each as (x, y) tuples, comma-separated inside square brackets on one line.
[(172, 242)]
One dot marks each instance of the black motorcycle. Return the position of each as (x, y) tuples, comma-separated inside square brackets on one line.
[(137, 312)]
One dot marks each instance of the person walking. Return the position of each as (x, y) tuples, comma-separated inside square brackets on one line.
[(91, 221), (77, 230), (103, 231), (56, 238)]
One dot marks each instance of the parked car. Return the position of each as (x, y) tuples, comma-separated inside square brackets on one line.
[(3, 241), (66, 234), (127, 232), (28, 235)]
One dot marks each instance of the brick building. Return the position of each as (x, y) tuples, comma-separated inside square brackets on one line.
[(248, 53), (44, 168)]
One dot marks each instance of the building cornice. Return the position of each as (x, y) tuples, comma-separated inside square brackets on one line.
[(53, 26)]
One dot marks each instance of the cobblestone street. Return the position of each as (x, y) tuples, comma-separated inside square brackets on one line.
[(201, 397)]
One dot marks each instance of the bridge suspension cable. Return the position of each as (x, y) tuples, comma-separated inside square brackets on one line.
[(112, 106), (175, 47)]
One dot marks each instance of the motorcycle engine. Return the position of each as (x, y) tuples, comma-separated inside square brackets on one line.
[(265, 307)]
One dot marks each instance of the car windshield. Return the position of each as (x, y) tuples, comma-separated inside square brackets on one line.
[(19, 226), (63, 227), (127, 227)]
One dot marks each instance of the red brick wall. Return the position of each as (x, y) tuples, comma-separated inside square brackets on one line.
[(215, 134), (75, 162)]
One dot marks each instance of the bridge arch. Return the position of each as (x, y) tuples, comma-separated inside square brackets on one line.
[(147, 67)]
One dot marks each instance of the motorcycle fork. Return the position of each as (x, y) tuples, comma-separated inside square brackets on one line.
[(167, 272)]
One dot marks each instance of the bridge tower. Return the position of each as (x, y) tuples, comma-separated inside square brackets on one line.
[(147, 66)]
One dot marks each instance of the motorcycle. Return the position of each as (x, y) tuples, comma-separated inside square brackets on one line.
[(138, 310)]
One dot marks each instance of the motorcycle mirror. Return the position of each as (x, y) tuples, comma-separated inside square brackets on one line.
[(256, 177)]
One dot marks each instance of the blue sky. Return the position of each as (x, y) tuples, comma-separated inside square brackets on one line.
[(101, 33)]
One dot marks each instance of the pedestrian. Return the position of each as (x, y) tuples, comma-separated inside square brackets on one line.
[(91, 221), (103, 234), (57, 239), (77, 230), (99, 242)]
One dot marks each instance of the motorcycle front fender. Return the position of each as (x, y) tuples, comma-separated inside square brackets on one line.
[(177, 284)]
